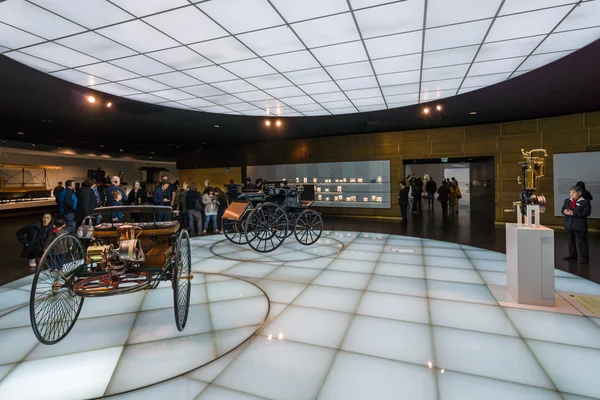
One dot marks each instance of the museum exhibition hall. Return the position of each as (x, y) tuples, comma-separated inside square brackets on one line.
[(300, 199)]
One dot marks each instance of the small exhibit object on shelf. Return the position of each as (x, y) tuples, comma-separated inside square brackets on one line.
[(373, 180), (373, 198), (360, 180), (327, 189), (379, 179), (344, 180), (320, 197), (318, 188), (327, 198), (314, 180), (352, 180), (305, 180), (379, 199), (297, 180), (339, 189), (366, 199)]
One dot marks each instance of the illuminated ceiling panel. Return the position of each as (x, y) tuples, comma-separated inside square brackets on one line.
[(292, 58)]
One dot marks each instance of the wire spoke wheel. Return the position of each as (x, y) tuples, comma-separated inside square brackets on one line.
[(53, 306), (234, 231), (309, 227), (182, 279), (266, 227)]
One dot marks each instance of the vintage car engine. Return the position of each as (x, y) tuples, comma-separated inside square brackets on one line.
[(532, 168), (126, 255)]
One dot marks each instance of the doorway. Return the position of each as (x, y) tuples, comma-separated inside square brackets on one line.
[(475, 176)]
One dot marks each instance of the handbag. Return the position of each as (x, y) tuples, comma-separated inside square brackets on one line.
[(86, 230)]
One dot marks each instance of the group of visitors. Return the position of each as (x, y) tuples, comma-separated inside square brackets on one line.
[(415, 189), (196, 207)]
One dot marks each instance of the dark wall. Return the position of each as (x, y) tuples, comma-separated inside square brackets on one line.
[(483, 187)]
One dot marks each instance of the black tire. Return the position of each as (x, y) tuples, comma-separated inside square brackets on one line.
[(309, 227), (53, 305), (234, 231), (182, 279), (266, 227)]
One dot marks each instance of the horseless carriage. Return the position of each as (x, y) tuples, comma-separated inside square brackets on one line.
[(121, 258), (264, 220)]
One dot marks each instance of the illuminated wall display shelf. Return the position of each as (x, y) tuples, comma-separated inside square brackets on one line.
[(354, 184)]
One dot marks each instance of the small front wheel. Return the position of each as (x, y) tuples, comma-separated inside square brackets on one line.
[(309, 227), (181, 279)]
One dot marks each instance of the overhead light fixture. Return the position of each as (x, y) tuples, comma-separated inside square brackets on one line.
[(60, 148), (20, 133), (101, 145), (426, 110), (108, 105), (278, 123), (473, 112), (3, 140), (32, 144), (216, 126), (438, 107), (91, 99), (268, 123), (121, 150)]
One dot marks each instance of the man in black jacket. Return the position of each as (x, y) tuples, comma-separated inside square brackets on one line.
[(403, 200), (443, 197), (57, 189), (431, 189), (576, 209)]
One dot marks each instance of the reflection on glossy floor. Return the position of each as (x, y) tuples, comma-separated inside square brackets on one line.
[(124, 342), (388, 317)]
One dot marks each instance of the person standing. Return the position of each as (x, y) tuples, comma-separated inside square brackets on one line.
[(32, 237), (576, 209), (211, 209), (182, 205), (451, 196), (249, 186), (115, 185), (137, 196), (56, 192), (193, 202), (161, 197), (223, 204), (258, 185), (87, 201), (431, 189), (68, 205), (232, 191), (171, 189), (443, 194), (403, 200), (207, 187)]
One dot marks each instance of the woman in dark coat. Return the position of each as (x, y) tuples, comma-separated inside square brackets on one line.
[(137, 196), (86, 201), (33, 237)]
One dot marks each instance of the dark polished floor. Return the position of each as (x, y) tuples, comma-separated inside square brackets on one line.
[(460, 228)]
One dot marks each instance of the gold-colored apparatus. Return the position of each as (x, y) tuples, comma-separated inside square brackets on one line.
[(532, 168), (125, 255)]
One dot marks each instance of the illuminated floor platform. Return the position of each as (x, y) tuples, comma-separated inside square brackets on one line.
[(387, 317)]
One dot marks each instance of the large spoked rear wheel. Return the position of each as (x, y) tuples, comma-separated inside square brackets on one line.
[(266, 227), (53, 306), (234, 231), (309, 227), (182, 277)]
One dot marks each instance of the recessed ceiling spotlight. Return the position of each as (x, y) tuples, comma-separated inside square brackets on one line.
[(473, 112), (152, 153), (216, 126), (20, 133), (101, 145), (108, 105), (60, 148), (32, 144), (120, 150), (426, 110), (278, 123), (438, 107), (91, 99), (268, 123), (3, 140)]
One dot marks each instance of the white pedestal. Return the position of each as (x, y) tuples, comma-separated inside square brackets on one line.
[(530, 264)]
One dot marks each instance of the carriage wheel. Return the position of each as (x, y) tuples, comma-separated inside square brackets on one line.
[(291, 221), (234, 231), (309, 226), (266, 227), (182, 279), (53, 306)]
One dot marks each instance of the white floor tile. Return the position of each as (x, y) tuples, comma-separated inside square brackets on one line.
[(355, 376), (581, 286), (457, 386), (404, 270), (401, 258), (274, 311), (329, 298), (210, 371), (358, 255), (485, 255), (564, 274), (16, 318), (214, 265), (163, 297), (294, 274), (374, 247), (16, 343), (492, 356), (42, 385), (444, 252), (553, 327), (238, 313), (365, 267), (219, 393), (278, 369), (178, 388), (310, 326), (393, 306), (447, 262), (397, 285), (319, 263), (252, 270), (13, 297), (231, 289), (453, 275), (103, 306), (572, 369), (397, 340), (489, 265), (439, 244), (457, 291), (397, 249), (494, 278), (281, 292), (395, 240), (349, 280), (469, 316)]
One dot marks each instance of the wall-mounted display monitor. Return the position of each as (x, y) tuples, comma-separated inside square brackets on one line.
[(356, 184)]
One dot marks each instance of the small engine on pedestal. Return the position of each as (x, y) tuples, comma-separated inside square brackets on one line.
[(118, 260), (532, 168)]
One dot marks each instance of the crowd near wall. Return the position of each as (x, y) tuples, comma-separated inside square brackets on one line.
[(563, 134)]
